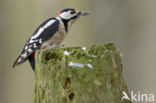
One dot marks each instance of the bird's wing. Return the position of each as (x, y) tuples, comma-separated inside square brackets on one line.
[(44, 32)]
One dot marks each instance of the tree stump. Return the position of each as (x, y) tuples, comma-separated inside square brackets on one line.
[(80, 75)]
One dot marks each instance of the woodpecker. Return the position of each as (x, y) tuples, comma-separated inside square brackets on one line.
[(50, 33)]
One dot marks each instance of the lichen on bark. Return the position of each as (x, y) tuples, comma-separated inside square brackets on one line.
[(91, 75)]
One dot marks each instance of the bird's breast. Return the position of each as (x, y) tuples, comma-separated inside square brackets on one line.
[(57, 38)]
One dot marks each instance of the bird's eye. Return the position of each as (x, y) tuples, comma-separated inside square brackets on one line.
[(72, 12)]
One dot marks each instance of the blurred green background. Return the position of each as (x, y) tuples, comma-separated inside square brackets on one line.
[(130, 24)]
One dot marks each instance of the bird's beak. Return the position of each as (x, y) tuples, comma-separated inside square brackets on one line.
[(83, 13)]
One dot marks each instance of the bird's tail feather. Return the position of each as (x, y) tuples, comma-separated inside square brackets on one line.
[(32, 62)]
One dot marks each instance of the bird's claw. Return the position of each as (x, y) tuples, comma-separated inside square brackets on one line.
[(55, 46)]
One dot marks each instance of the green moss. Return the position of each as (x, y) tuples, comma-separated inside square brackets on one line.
[(56, 82)]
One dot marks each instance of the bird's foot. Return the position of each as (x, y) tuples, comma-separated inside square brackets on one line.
[(60, 45), (53, 47), (56, 46)]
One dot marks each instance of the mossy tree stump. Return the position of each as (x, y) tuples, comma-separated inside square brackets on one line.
[(79, 75)]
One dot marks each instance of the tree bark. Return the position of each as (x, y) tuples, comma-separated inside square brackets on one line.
[(80, 75)]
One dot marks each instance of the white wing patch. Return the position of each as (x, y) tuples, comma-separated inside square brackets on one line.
[(32, 41), (34, 45), (38, 33), (30, 50), (41, 29), (40, 41), (48, 24), (26, 47), (58, 18)]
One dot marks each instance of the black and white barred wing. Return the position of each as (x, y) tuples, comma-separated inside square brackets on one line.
[(43, 33)]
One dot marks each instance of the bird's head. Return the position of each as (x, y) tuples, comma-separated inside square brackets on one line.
[(71, 15)]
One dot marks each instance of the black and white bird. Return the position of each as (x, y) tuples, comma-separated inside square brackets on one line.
[(50, 33)]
